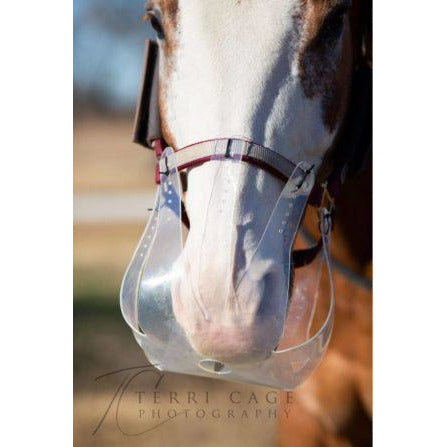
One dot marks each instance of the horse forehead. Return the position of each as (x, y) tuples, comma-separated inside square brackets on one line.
[(224, 32), (239, 28), (217, 17), (316, 8)]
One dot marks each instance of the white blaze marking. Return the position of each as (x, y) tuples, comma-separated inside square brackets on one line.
[(235, 73)]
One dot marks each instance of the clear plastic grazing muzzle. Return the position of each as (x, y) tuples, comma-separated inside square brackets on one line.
[(147, 296)]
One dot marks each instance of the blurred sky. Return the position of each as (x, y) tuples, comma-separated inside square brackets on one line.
[(108, 45)]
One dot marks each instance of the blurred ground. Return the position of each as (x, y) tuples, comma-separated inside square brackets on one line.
[(108, 169), (113, 186), (105, 159)]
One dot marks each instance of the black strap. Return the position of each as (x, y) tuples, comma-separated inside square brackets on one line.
[(305, 256), (147, 114)]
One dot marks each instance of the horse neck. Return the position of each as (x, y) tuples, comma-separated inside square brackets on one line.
[(352, 236), (351, 241)]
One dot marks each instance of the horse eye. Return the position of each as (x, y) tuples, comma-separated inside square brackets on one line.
[(153, 17)]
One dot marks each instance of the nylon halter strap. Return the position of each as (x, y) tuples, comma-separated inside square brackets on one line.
[(259, 156), (197, 154)]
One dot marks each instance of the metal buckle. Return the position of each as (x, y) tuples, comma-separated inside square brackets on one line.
[(326, 210), (325, 221)]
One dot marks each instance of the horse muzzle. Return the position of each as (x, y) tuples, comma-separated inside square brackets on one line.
[(255, 328)]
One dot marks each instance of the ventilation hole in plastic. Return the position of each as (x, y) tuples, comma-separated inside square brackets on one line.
[(214, 366)]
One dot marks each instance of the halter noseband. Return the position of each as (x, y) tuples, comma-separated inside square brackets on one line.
[(260, 156)]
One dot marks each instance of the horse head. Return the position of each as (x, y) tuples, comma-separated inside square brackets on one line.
[(276, 73)]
